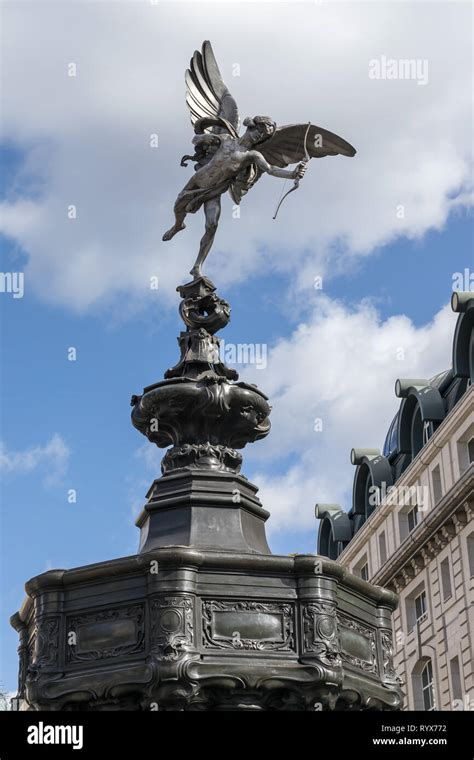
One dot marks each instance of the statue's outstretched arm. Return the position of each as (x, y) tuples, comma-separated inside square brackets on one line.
[(275, 171)]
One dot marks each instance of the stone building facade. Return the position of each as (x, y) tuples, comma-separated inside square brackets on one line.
[(410, 527)]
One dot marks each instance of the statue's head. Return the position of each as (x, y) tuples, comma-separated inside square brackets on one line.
[(259, 128)]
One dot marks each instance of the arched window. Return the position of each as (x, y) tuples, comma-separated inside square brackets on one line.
[(372, 477), (335, 530), (327, 545), (417, 431), (427, 686), (421, 412), (463, 344), (423, 686)]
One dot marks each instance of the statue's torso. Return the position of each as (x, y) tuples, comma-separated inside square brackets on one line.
[(226, 162)]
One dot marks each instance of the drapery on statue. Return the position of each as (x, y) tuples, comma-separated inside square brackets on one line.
[(225, 161)]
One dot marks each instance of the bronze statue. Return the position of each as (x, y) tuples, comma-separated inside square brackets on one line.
[(225, 161)]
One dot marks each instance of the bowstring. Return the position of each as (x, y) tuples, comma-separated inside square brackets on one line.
[(306, 161), (281, 193)]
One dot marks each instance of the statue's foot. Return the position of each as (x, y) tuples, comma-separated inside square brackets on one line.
[(196, 273), (172, 231)]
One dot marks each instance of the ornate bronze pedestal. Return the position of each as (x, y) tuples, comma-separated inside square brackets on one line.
[(204, 617)]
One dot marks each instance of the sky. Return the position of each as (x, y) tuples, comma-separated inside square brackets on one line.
[(345, 292)]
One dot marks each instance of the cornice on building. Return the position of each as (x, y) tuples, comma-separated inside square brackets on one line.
[(425, 542), (427, 454)]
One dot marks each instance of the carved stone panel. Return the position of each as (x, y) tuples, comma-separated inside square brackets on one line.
[(105, 633), (358, 644), (320, 633), (31, 646), (386, 640), (248, 625), (172, 626), (43, 651)]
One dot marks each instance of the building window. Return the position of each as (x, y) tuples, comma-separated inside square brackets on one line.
[(427, 687), (382, 548), (470, 450), (362, 568), (420, 608), (408, 519), (413, 518), (456, 684), (436, 480), (416, 608), (446, 579), (423, 686), (470, 553), (465, 452)]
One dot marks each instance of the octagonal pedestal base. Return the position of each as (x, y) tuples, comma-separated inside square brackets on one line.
[(182, 629), (204, 510)]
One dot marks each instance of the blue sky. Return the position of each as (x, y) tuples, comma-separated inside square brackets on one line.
[(87, 403), (66, 424)]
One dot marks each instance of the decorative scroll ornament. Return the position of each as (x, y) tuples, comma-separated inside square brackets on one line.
[(171, 627), (321, 632), (198, 409)]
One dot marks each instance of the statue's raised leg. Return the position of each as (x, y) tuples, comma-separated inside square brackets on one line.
[(177, 226), (179, 209)]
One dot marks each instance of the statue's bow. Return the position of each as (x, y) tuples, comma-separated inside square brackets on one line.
[(296, 182)]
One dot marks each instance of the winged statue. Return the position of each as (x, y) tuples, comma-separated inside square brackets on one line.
[(226, 161)]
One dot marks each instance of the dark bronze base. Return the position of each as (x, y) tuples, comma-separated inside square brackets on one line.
[(182, 629), (203, 510), (204, 617)]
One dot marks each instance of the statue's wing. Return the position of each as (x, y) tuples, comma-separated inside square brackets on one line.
[(206, 93), (287, 144)]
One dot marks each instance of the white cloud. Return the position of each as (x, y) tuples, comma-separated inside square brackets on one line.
[(340, 367), (87, 137), (53, 457), (151, 456)]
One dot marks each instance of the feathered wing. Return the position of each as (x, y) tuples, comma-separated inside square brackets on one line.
[(206, 93), (287, 145)]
